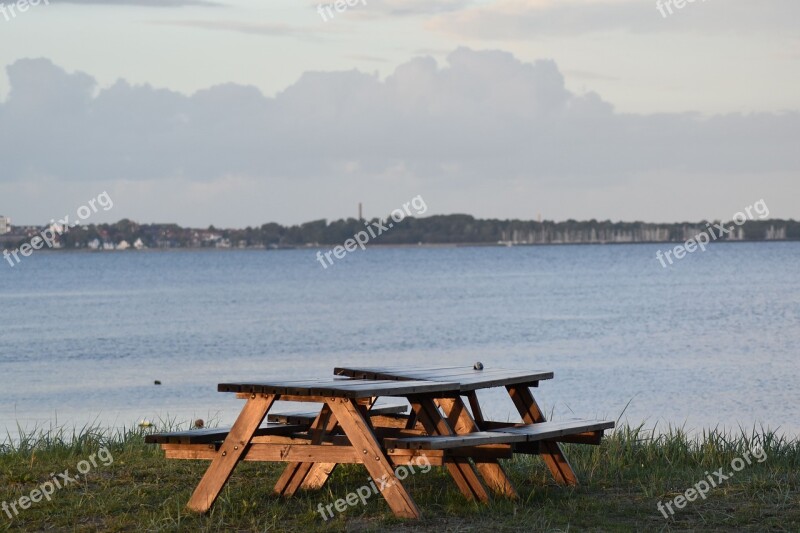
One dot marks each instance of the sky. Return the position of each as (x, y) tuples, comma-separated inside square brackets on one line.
[(242, 112)]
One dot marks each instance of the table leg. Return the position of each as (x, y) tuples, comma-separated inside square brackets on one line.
[(318, 476), (460, 468), (551, 452), (362, 438), (477, 413), (230, 453), (462, 422), (295, 473), (321, 472)]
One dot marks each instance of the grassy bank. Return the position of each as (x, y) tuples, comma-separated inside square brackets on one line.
[(621, 483)]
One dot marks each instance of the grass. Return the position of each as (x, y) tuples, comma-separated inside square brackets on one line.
[(621, 482)]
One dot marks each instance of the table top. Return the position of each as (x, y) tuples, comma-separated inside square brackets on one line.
[(342, 388), (468, 379)]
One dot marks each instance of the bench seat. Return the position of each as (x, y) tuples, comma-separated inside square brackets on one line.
[(208, 436), (307, 417), (510, 435)]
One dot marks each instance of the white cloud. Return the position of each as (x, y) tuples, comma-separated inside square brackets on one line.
[(483, 133), (482, 116)]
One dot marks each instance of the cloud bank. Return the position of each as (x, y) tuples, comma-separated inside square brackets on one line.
[(481, 117)]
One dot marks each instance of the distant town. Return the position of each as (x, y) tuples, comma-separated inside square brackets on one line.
[(433, 230)]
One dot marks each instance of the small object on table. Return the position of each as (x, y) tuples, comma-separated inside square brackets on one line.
[(478, 366)]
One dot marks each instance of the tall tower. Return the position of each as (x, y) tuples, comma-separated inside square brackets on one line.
[(360, 212)]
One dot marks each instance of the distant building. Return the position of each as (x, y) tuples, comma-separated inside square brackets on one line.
[(5, 225)]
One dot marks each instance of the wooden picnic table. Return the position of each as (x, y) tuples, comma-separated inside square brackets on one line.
[(518, 384), (349, 427)]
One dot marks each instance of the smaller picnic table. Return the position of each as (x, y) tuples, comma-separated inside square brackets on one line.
[(518, 383)]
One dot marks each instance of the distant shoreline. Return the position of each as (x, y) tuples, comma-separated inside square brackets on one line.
[(438, 231), (388, 246)]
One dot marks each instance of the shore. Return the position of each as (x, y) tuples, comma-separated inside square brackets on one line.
[(626, 484)]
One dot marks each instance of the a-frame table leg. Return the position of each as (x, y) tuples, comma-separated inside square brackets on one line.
[(362, 438), (230, 453), (295, 474), (460, 468), (462, 422), (319, 474), (551, 452)]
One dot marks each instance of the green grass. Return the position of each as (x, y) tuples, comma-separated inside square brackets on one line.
[(621, 482)]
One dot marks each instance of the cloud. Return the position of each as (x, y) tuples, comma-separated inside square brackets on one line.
[(401, 8), (366, 57), (529, 19), (252, 28), (145, 3), (483, 117)]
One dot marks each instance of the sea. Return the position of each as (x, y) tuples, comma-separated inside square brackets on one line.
[(711, 341)]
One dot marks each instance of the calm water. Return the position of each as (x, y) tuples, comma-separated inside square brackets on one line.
[(712, 341)]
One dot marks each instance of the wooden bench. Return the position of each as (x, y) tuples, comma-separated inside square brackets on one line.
[(307, 417), (210, 436), (551, 431), (281, 423)]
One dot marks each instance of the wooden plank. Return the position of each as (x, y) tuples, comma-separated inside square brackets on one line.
[(200, 436), (378, 465), (287, 453), (468, 378), (291, 452), (302, 452), (477, 382), (446, 442), (276, 439), (460, 469), (551, 452), (591, 437), (462, 423), (475, 405), (489, 425), (307, 417), (389, 421), (341, 388), (527, 433), (552, 430), (230, 453), (375, 372), (293, 475), (490, 452), (319, 474)]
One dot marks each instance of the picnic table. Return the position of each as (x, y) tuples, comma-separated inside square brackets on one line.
[(348, 426)]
